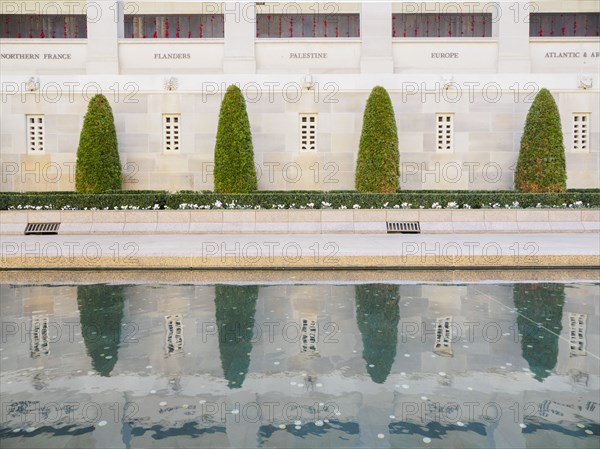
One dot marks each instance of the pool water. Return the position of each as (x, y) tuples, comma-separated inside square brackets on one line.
[(300, 366)]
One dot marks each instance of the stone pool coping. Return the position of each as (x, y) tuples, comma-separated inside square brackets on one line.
[(323, 221), (274, 277)]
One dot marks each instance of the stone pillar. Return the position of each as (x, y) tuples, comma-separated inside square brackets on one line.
[(376, 35), (513, 36), (240, 32), (104, 27)]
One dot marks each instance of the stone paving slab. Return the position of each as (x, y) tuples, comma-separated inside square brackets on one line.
[(272, 251)]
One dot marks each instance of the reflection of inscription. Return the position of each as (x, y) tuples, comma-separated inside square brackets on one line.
[(572, 54)]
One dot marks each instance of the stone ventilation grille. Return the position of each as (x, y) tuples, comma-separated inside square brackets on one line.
[(308, 336), (42, 228), (577, 333), (308, 132), (35, 133), (581, 123), (403, 227), (443, 336), (171, 131), (445, 132), (40, 344), (174, 334)]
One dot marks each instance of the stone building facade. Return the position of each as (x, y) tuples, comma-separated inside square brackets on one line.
[(461, 75)]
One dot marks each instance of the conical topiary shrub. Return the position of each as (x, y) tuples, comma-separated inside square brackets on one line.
[(541, 166), (234, 156), (378, 163), (98, 166)]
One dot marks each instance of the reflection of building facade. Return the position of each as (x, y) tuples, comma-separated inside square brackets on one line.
[(343, 383), (309, 336), (461, 76), (40, 343), (173, 334), (443, 336), (577, 333)]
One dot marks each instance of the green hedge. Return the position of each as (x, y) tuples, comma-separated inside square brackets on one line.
[(266, 200)]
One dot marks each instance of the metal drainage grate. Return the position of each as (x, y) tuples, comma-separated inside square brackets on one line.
[(403, 227), (42, 228)]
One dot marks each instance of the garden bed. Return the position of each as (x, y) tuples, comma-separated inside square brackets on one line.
[(158, 200)]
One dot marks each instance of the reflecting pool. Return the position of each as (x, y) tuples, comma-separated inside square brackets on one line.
[(302, 366)]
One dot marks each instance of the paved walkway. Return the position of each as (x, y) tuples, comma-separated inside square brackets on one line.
[(301, 251)]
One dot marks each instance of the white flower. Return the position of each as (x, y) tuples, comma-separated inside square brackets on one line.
[(218, 204), (343, 207), (356, 206)]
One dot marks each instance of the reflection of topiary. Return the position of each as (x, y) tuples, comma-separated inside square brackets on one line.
[(378, 313), (539, 304), (378, 162), (236, 305), (100, 314), (234, 156), (98, 166), (541, 166)]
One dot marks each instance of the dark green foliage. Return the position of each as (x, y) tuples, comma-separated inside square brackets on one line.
[(539, 304), (476, 199), (378, 313), (100, 315), (266, 200), (98, 166), (234, 156), (378, 162), (541, 166), (236, 305)]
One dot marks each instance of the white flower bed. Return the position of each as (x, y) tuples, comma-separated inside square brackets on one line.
[(218, 205)]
